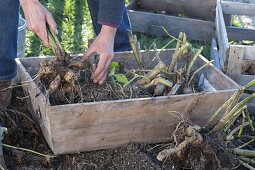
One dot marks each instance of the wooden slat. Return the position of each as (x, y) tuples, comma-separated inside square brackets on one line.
[(39, 104), (249, 52), (222, 37), (110, 124), (204, 9), (237, 8), (228, 19), (215, 54), (240, 34), (152, 23), (234, 67)]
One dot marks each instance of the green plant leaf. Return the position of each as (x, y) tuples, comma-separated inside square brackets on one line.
[(121, 78), (113, 67)]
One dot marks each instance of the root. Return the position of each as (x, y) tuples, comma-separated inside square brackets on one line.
[(192, 138)]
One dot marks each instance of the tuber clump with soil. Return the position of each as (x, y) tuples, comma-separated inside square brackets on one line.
[(66, 79)]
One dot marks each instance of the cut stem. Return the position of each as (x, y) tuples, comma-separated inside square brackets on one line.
[(133, 45), (176, 56), (193, 62)]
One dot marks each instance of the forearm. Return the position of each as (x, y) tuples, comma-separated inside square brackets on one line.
[(26, 2), (111, 12), (108, 31)]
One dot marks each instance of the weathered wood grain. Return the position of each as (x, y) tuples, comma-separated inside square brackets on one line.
[(222, 37), (215, 54), (147, 22), (38, 101), (234, 66), (107, 124), (239, 34), (204, 9), (237, 8)]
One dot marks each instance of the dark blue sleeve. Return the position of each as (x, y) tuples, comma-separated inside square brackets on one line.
[(111, 12)]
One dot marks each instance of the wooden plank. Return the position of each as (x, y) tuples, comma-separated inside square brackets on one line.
[(228, 19), (215, 76), (215, 54), (240, 34), (234, 68), (245, 79), (237, 8), (204, 9), (39, 103), (222, 37), (249, 52), (124, 121), (152, 23)]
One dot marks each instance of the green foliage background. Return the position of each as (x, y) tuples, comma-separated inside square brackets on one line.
[(75, 28)]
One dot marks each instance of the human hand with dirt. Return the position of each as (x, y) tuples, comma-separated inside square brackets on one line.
[(37, 16), (103, 45)]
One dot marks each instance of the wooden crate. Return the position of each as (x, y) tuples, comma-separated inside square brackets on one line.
[(81, 127), (198, 25), (235, 57)]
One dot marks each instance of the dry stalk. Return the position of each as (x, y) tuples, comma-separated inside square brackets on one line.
[(192, 63), (176, 56), (28, 150), (246, 165)]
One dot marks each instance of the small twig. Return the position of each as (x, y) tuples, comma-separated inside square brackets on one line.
[(28, 150), (230, 135), (242, 125), (249, 119), (167, 32), (121, 89), (198, 70), (134, 78), (245, 144), (192, 63)]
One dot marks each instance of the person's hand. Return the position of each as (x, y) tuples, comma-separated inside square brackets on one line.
[(103, 45), (36, 17)]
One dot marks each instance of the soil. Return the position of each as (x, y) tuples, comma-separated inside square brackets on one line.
[(23, 132)]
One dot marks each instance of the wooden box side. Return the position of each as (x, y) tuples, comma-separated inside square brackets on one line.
[(101, 125), (203, 9), (37, 101)]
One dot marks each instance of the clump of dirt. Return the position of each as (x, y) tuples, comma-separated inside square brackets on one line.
[(24, 132)]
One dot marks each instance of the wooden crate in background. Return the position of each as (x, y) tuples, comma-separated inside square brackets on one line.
[(197, 18), (73, 128), (233, 58)]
